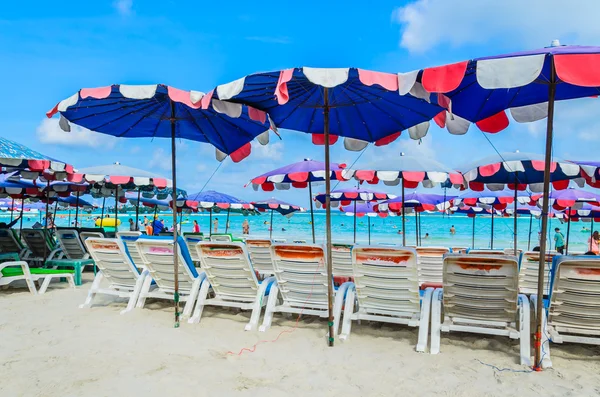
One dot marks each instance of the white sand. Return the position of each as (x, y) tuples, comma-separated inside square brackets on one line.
[(50, 347)]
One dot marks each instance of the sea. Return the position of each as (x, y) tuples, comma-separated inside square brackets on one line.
[(382, 231)]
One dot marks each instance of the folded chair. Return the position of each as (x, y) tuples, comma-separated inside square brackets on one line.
[(114, 266), (386, 286), (259, 250), (430, 261), (528, 272), (157, 254), (19, 270), (481, 296), (574, 312), (230, 275), (302, 283)]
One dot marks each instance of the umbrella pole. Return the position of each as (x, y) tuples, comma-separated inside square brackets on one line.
[(312, 215), (403, 217), (21, 222), (54, 215), (331, 338), (116, 210), (354, 221), (473, 235), (492, 236), (529, 238), (137, 211), (420, 230), (515, 215), (12, 209), (69, 216), (227, 222), (175, 247), (591, 232), (102, 213), (210, 222), (76, 209), (180, 215), (46, 223), (416, 227), (542, 262), (369, 228), (568, 231), (271, 226)]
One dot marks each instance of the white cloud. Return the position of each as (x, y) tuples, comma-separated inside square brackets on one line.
[(49, 132), (160, 159), (426, 24), (124, 7), (135, 150), (201, 167), (272, 151)]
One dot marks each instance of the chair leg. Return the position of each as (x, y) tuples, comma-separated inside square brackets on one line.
[(143, 293), (30, 284), (340, 296), (258, 303), (191, 299), (45, 284), (436, 320), (92, 292), (524, 334), (133, 297), (202, 295), (348, 313), (270, 309), (424, 320)]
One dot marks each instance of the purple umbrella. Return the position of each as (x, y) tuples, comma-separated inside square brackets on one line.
[(212, 200), (275, 205), (570, 198), (590, 171), (299, 175), (472, 212), (364, 209)]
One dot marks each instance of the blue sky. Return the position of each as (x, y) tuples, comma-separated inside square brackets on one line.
[(52, 49)]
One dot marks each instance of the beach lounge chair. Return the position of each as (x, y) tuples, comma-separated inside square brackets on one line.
[(459, 250), (302, 283), (528, 272), (116, 267), (12, 271), (386, 285), (511, 251), (297, 241), (227, 237), (231, 277), (485, 252), (481, 296), (430, 261), (129, 238), (574, 311), (157, 254), (74, 252), (10, 243), (260, 253), (41, 245), (341, 261), (85, 233), (191, 240)]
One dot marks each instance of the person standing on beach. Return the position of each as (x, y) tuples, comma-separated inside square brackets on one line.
[(145, 220), (245, 227), (157, 226), (216, 225), (593, 243), (196, 227), (452, 230), (559, 241), (132, 226)]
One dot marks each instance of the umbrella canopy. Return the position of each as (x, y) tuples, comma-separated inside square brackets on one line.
[(590, 170), (517, 170), (345, 196), (152, 202), (470, 211), (497, 199), (570, 198), (298, 175), (586, 211), (210, 199), (105, 178), (73, 201), (410, 171), (31, 164), (276, 205), (365, 209), (524, 209), (418, 201)]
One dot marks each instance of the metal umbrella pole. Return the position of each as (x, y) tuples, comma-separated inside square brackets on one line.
[(354, 221), (568, 231), (76, 209), (420, 230), (473, 234), (227, 221), (116, 209), (102, 212), (403, 217), (210, 222), (515, 215), (175, 247), (69, 219), (492, 235), (312, 215), (591, 232), (369, 229), (46, 223), (21, 222), (271, 226), (416, 227), (331, 338), (12, 210), (529, 238), (54, 215), (137, 210)]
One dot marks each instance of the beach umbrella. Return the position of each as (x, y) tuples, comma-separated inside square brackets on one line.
[(590, 171), (527, 83), (150, 111), (472, 212), (418, 202), (586, 212), (299, 175), (532, 210), (356, 195), (409, 172), (361, 105), (364, 209), (29, 163), (497, 199), (213, 202), (275, 205)]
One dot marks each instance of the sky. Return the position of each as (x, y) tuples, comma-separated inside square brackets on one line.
[(52, 49)]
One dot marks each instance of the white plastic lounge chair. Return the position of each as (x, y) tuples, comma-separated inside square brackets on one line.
[(528, 272), (481, 296), (302, 283), (459, 250), (574, 312), (485, 252), (511, 251), (430, 261), (296, 241), (129, 238), (71, 244), (221, 237), (114, 265), (157, 254), (260, 254), (19, 270), (191, 240), (231, 277), (386, 284), (341, 260), (9, 243), (279, 240), (84, 235)]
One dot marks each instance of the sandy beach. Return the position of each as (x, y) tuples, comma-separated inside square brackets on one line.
[(50, 347)]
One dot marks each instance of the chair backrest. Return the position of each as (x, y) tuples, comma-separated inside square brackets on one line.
[(221, 237), (341, 260), (481, 287), (301, 274), (430, 261), (84, 235), (39, 241), (191, 240), (157, 254), (260, 254), (459, 250), (70, 243), (299, 241), (528, 272), (386, 280), (111, 257), (485, 252), (9, 242), (129, 238), (228, 268), (511, 251), (279, 240), (575, 297)]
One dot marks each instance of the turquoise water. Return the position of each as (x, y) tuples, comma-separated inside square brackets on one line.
[(382, 230)]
